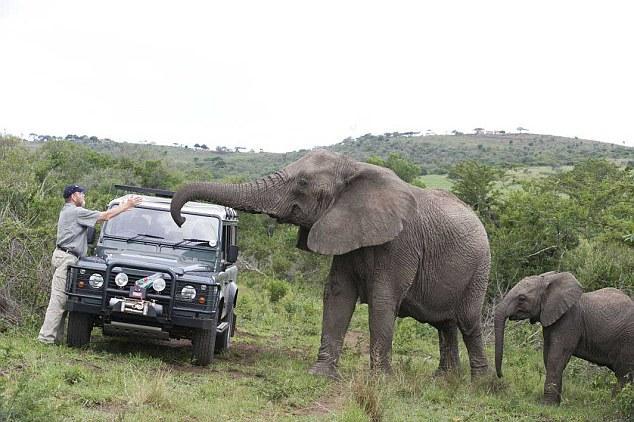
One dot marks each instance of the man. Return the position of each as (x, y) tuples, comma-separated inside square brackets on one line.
[(72, 244)]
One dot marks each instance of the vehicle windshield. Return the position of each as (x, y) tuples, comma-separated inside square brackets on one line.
[(140, 223)]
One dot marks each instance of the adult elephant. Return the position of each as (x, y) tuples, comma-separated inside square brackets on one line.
[(402, 250)]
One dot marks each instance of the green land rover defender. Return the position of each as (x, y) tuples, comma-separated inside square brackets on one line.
[(150, 278)]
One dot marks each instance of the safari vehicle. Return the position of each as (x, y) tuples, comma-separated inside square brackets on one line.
[(150, 278)]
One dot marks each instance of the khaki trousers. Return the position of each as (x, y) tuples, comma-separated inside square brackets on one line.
[(52, 330)]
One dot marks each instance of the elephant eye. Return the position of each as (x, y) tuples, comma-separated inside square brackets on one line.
[(522, 298), (302, 182)]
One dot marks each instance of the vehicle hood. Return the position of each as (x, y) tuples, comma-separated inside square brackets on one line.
[(179, 265)]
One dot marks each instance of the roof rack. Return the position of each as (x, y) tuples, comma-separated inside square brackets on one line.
[(231, 213), (162, 193)]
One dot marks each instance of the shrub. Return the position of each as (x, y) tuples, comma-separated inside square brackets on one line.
[(600, 264), (277, 290)]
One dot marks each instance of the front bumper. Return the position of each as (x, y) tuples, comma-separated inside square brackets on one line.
[(180, 317), (162, 310)]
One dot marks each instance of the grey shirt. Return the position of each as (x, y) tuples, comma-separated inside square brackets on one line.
[(72, 228)]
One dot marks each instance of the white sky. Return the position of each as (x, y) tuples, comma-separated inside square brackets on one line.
[(285, 75)]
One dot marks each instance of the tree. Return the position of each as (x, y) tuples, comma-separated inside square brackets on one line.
[(474, 183), (154, 174), (535, 229), (405, 169), (520, 129), (218, 162), (478, 130), (376, 160), (578, 221)]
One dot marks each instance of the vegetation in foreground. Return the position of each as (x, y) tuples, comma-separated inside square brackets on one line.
[(264, 376), (577, 220)]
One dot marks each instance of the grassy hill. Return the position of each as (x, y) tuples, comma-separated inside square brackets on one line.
[(435, 153)]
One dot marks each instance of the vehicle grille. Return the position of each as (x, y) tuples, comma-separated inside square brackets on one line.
[(162, 298)]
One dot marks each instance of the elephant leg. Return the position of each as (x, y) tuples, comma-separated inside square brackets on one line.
[(471, 329), (382, 318), (622, 378), (448, 343), (340, 297), (386, 294), (395, 268), (472, 335), (620, 383), (555, 359)]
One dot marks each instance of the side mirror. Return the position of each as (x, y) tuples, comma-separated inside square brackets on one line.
[(232, 254), (91, 235)]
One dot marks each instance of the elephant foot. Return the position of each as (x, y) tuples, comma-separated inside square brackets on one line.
[(325, 370), (480, 372), (382, 370), (550, 401), (443, 371), (552, 394)]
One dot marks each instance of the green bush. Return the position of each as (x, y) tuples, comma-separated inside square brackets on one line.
[(277, 290), (598, 264), (404, 168)]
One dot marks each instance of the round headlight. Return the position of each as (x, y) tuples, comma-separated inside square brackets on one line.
[(121, 279), (96, 281), (158, 285), (188, 293)]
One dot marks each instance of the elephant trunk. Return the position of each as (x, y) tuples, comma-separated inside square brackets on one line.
[(259, 196), (500, 323)]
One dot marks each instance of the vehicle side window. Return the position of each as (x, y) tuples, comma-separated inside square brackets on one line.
[(234, 235), (229, 237)]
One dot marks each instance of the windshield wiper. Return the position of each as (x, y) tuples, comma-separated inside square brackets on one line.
[(191, 240), (151, 236)]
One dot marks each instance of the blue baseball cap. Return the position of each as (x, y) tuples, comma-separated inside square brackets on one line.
[(71, 189)]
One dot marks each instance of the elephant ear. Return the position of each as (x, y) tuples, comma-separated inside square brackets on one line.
[(561, 293), (370, 209)]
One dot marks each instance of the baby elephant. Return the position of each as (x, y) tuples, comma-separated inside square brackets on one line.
[(596, 326)]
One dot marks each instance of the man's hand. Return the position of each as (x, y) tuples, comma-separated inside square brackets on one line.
[(131, 201)]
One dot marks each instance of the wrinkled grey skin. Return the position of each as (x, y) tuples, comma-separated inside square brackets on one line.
[(402, 250), (596, 326)]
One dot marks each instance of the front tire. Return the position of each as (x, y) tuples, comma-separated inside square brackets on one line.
[(203, 342), (79, 329)]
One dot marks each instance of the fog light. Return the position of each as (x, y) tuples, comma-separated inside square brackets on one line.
[(158, 284), (201, 300), (81, 284), (96, 281), (121, 279)]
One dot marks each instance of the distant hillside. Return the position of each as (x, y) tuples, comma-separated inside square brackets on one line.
[(434, 153)]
